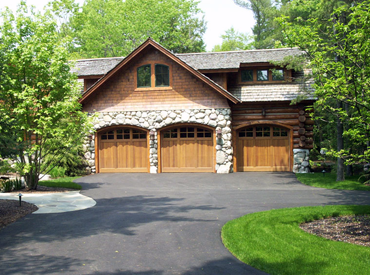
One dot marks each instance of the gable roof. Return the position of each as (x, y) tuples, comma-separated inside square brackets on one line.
[(151, 42)]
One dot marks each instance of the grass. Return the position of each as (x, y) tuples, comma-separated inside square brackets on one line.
[(66, 182), (329, 181), (273, 242)]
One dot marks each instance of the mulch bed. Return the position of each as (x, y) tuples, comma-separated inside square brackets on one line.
[(10, 210), (350, 229)]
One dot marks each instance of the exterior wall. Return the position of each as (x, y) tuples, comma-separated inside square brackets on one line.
[(120, 93), (279, 112), (216, 118)]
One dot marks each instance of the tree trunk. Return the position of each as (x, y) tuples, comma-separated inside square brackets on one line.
[(32, 180), (340, 146), (349, 170)]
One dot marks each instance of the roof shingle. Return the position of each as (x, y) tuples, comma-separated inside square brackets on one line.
[(199, 61)]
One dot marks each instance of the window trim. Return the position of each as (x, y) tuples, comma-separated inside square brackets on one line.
[(152, 76)]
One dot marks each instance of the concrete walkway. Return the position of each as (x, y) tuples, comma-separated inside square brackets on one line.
[(54, 202), (144, 224)]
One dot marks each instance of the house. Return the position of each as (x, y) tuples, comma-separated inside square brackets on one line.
[(202, 112)]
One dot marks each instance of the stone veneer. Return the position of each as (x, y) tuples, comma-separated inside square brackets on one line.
[(301, 161), (154, 120)]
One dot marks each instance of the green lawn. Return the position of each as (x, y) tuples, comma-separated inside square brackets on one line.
[(66, 182), (328, 181), (273, 242)]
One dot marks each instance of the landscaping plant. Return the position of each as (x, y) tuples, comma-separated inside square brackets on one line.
[(39, 111)]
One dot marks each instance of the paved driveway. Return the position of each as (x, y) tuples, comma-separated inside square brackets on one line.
[(153, 224)]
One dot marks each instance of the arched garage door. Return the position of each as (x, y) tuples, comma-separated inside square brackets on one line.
[(187, 149), (263, 148), (123, 150)]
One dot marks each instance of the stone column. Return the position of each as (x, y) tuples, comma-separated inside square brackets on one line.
[(301, 161)]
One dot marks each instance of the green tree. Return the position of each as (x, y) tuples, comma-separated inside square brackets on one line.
[(105, 28), (337, 50), (266, 31), (234, 41), (39, 110)]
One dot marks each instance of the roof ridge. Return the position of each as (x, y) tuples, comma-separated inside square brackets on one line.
[(99, 58), (239, 51)]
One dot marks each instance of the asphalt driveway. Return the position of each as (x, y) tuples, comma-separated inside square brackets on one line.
[(153, 224)]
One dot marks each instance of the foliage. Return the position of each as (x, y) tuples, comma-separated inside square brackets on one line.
[(273, 242), (70, 160), (39, 94), (5, 167), (337, 46), (365, 178), (6, 186), (105, 28), (66, 182), (233, 41), (329, 181), (11, 185), (266, 32), (57, 172)]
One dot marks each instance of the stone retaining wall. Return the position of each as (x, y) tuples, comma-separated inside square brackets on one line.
[(155, 120)]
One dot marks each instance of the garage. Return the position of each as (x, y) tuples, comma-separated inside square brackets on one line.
[(187, 149), (123, 150), (263, 148)]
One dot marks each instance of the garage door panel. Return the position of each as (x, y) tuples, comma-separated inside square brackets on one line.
[(123, 155), (263, 148), (205, 150), (281, 150), (108, 154), (263, 152), (187, 149), (140, 154), (245, 154), (169, 149), (128, 152)]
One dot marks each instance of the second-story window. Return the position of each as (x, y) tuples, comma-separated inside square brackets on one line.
[(247, 75), (153, 75), (162, 75), (262, 75), (144, 76)]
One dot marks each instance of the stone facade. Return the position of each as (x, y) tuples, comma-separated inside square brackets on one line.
[(155, 120), (301, 161)]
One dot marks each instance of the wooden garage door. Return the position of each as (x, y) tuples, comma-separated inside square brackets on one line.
[(187, 149), (263, 148), (123, 150)]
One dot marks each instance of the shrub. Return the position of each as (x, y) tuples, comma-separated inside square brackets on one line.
[(365, 178), (11, 185), (57, 172), (7, 186), (17, 184), (71, 160)]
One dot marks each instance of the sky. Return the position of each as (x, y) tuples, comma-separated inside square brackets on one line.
[(220, 16)]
